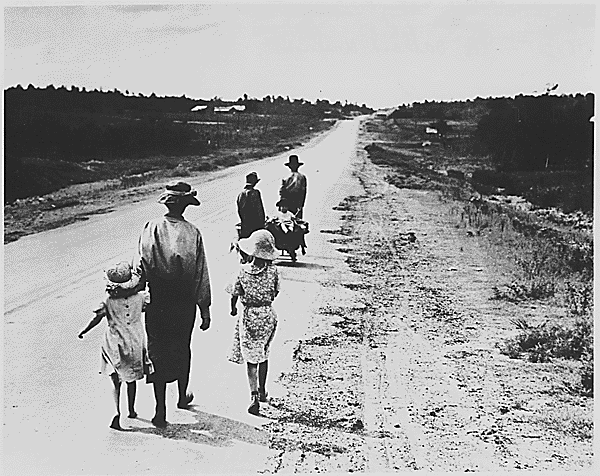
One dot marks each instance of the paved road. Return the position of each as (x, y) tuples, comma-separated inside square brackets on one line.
[(57, 407)]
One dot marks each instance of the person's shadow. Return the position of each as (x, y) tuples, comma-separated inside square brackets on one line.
[(209, 429)]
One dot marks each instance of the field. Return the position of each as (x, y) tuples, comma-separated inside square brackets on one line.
[(54, 192), (117, 146)]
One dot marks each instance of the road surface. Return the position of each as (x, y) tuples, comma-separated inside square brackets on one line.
[(57, 407)]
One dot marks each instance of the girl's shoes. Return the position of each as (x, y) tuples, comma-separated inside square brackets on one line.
[(254, 407), (262, 395), (114, 424)]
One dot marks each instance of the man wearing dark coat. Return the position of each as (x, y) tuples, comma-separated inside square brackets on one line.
[(250, 207), (293, 188)]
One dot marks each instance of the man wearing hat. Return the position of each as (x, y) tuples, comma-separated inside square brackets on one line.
[(293, 188), (173, 262), (250, 207)]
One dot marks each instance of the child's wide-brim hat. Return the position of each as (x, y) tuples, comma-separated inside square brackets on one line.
[(259, 244), (121, 276), (179, 193)]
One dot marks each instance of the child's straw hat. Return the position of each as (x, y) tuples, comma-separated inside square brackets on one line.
[(260, 244), (121, 276)]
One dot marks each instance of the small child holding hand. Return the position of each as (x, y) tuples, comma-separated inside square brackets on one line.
[(124, 348)]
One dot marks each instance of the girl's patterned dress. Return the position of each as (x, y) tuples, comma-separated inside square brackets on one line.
[(125, 348), (255, 328)]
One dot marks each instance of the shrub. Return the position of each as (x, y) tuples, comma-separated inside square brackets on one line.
[(579, 297), (552, 340), (537, 288)]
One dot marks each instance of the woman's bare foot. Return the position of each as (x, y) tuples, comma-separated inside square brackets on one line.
[(159, 421), (185, 402)]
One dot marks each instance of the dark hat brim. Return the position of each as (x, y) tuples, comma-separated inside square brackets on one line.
[(168, 198)]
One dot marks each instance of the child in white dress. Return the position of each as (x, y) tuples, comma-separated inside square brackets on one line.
[(124, 348)]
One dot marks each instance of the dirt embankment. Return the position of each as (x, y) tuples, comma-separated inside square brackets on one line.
[(402, 371)]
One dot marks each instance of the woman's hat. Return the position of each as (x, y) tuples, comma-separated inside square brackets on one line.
[(252, 178), (178, 192), (121, 276), (293, 161), (260, 244)]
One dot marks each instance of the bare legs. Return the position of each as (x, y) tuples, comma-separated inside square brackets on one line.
[(257, 379), (184, 398), (160, 392), (252, 377), (263, 368), (131, 390), (160, 416), (116, 391)]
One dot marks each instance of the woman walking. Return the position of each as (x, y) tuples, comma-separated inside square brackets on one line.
[(124, 349), (173, 262), (256, 285)]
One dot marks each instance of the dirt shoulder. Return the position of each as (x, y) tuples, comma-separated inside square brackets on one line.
[(401, 369)]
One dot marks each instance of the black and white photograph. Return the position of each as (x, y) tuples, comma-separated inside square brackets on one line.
[(310, 237)]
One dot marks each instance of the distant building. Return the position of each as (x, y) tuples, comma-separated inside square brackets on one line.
[(231, 108), (199, 108), (430, 130)]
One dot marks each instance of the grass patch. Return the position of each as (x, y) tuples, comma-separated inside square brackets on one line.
[(564, 338), (569, 423)]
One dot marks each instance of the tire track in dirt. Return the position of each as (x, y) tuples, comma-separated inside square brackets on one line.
[(398, 356)]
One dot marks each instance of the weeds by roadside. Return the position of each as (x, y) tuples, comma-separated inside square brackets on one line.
[(552, 260), (549, 263)]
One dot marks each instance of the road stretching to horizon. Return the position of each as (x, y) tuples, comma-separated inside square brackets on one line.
[(57, 407)]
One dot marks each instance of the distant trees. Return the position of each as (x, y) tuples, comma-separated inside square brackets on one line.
[(544, 132), (76, 124), (540, 132)]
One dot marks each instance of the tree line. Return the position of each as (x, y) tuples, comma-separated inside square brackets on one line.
[(32, 99), (526, 133), (75, 124)]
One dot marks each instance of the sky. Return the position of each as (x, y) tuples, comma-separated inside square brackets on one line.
[(381, 55)]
